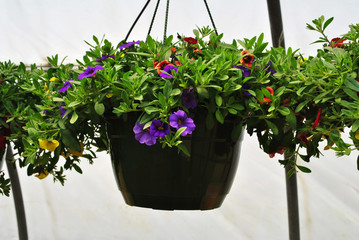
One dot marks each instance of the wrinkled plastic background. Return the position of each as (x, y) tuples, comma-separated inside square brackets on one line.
[(89, 206)]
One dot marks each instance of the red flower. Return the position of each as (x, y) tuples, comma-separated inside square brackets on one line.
[(155, 63), (337, 42), (2, 78), (317, 120), (279, 150), (247, 59), (190, 40), (160, 66), (304, 138), (267, 100)]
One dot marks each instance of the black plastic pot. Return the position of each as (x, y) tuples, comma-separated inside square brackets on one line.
[(162, 178)]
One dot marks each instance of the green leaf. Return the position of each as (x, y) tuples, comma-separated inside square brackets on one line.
[(272, 126), (219, 100), (179, 132), (291, 120), (351, 93), (151, 44), (284, 111), (77, 168), (202, 92), (151, 109), (99, 108), (352, 84), (69, 140), (167, 90), (168, 40), (162, 99), (355, 126), (74, 118), (95, 39), (219, 116), (183, 149), (304, 169), (301, 105), (327, 23)]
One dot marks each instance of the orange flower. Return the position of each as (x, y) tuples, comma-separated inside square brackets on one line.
[(267, 100), (160, 66), (247, 58)]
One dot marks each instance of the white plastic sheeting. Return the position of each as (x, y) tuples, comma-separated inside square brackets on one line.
[(89, 206)]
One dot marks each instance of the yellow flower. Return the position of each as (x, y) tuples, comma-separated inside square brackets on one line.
[(54, 79), (122, 55), (76, 153), (46, 88), (48, 145), (43, 174), (109, 95), (303, 59), (357, 134)]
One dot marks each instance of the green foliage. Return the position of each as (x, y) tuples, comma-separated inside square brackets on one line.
[(288, 101)]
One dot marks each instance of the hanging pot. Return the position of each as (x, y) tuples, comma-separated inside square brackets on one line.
[(166, 179)]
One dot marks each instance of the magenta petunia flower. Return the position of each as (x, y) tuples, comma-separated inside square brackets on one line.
[(127, 45), (67, 84), (188, 99), (179, 120), (90, 71), (166, 72), (143, 135), (159, 129)]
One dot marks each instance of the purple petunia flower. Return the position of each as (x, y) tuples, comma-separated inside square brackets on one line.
[(62, 111), (143, 135), (179, 120), (246, 86), (246, 71), (127, 45), (188, 99), (166, 72), (104, 57), (90, 71), (268, 68), (67, 84), (159, 129)]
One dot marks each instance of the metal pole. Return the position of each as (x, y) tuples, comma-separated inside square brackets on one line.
[(292, 203), (276, 24), (16, 190)]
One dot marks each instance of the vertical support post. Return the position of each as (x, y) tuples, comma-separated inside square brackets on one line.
[(16, 191), (276, 24)]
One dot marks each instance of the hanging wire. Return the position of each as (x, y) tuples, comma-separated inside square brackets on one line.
[(153, 18), (210, 16), (138, 17), (166, 20)]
